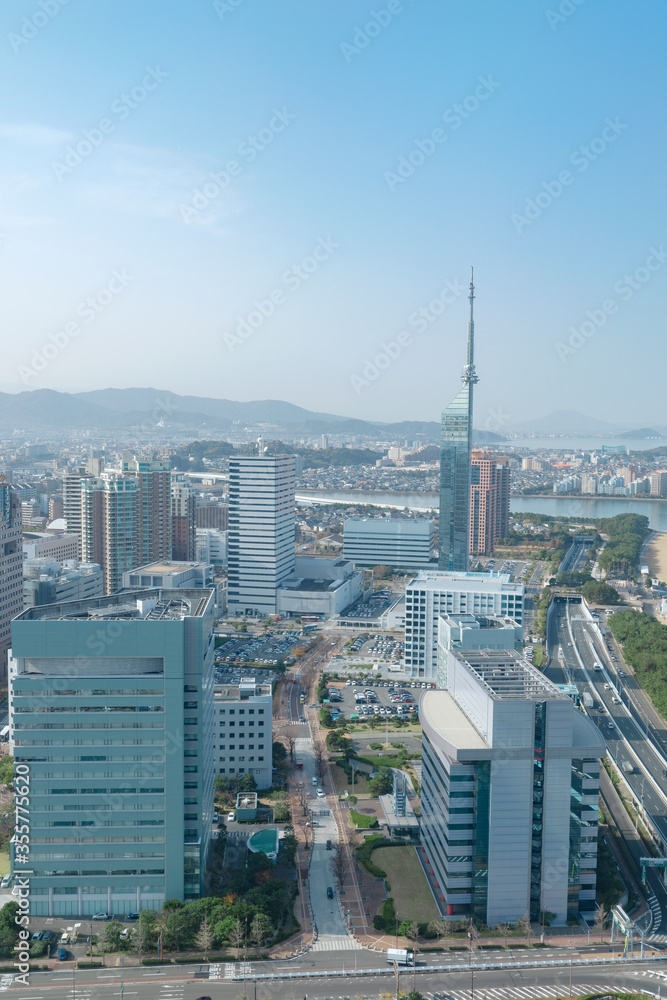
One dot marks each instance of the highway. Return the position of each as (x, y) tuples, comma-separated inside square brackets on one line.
[(226, 982), (577, 638)]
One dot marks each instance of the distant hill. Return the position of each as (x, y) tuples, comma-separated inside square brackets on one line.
[(645, 434)]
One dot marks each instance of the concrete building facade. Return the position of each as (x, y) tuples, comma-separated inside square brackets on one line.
[(183, 538), (489, 501), (244, 731), (432, 593), (389, 541), (46, 581), (510, 781), (262, 522), (11, 567), (110, 515), (154, 478), (112, 713)]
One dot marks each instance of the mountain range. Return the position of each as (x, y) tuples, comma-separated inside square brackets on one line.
[(44, 410)]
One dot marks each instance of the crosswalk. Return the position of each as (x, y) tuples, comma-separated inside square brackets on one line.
[(6, 981), (332, 942), (656, 911), (515, 993)]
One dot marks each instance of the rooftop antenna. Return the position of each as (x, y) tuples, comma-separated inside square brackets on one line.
[(469, 376)]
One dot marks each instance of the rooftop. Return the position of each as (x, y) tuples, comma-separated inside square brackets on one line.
[(441, 716), (432, 579), (141, 605), (507, 676)]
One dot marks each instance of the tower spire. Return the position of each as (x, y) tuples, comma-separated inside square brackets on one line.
[(469, 376)]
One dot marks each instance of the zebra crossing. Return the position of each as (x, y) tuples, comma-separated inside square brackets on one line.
[(6, 981), (514, 992), (332, 942), (656, 911)]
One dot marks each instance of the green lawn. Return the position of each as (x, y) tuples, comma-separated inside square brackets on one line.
[(409, 889), (4, 863), (361, 821)]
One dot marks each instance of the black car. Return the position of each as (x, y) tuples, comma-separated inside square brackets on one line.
[(329, 845), (131, 916), (329, 892)]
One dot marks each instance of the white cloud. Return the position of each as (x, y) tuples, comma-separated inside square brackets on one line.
[(33, 135)]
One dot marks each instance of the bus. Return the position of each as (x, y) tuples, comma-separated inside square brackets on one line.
[(4, 734)]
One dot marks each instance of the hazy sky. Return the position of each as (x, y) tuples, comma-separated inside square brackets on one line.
[(337, 166)]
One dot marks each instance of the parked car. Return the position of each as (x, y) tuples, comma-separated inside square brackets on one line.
[(231, 816), (37, 936), (6, 879), (102, 915), (320, 793), (329, 892), (329, 845), (131, 916), (62, 954), (216, 817)]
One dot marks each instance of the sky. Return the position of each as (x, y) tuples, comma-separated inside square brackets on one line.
[(282, 199)]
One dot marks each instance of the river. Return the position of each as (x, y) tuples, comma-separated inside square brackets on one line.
[(655, 510)]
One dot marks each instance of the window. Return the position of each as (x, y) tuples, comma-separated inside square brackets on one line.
[(260, 758)]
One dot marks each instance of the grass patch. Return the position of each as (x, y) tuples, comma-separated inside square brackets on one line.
[(361, 821), (413, 899), (4, 863), (343, 782)]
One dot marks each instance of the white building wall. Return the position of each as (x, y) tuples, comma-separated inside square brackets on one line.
[(556, 835), (510, 820)]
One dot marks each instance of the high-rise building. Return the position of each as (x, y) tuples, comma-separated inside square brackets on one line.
[(154, 477), (262, 522), (121, 785), (110, 514), (183, 537), (659, 484), (455, 449), (72, 501), (11, 566), (489, 501), (510, 781), (432, 593)]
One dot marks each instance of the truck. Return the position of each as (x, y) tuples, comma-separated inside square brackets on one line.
[(299, 763), (402, 956), (628, 767), (587, 699)]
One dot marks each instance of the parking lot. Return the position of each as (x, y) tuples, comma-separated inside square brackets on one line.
[(381, 698), (369, 610), (265, 649)]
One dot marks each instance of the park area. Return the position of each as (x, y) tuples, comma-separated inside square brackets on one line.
[(413, 899)]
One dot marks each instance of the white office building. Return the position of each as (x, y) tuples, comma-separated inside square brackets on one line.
[(390, 541), (211, 546), (510, 782), (244, 731), (433, 593), (322, 587), (171, 574), (262, 522)]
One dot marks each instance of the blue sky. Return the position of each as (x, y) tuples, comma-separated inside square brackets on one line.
[(298, 268)]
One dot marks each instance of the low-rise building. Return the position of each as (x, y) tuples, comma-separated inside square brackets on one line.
[(46, 581), (243, 731), (171, 574), (322, 587), (403, 543)]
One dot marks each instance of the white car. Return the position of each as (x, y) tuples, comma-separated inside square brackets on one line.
[(230, 817), (6, 879), (320, 793)]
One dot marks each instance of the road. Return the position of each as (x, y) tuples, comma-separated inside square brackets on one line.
[(625, 740), (225, 982)]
